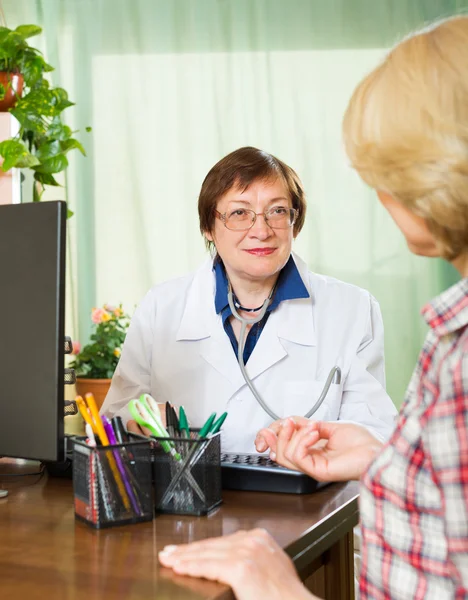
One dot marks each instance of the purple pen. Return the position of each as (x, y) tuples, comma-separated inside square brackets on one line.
[(113, 441)]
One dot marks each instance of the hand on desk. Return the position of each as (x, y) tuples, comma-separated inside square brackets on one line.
[(251, 562), (327, 451)]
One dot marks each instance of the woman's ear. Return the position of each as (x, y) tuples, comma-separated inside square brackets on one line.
[(208, 236)]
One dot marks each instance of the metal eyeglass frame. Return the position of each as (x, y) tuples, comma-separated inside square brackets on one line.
[(222, 217)]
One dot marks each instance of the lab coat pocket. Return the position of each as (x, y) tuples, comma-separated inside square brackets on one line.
[(300, 396)]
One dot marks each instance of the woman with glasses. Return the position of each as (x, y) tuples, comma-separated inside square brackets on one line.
[(406, 133), (182, 345)]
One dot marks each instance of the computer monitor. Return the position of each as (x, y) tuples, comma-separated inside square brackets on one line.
[(32, 310)]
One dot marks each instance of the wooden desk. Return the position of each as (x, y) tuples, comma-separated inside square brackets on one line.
[(46, 555)]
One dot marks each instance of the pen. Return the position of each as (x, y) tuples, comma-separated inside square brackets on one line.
[(214, 430), (119, 430), (218, 424), (120, 466), (205, 430), (107, 500), (188, 459), (91, 441), (169, 420), (183, 423), (175, 421), (105, 442), (122, 436), (82, 407), (145, 411)]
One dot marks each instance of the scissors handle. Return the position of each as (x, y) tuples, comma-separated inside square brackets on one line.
[(144, 417)]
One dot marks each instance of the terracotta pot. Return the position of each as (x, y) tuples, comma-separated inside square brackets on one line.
[(97, 387), (13, 84)]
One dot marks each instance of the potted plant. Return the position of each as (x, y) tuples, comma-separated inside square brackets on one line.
[(43, 140), (96, 362)]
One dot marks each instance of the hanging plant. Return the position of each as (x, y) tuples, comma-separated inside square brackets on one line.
[(43, 141)]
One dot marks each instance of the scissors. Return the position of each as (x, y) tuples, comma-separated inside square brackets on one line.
[(146, 413)]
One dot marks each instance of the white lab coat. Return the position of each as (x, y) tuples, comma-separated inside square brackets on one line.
[(177, 350)]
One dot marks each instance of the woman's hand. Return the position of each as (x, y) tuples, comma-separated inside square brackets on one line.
[(133, 427), (251, 562), (266, 438), (327, 451)]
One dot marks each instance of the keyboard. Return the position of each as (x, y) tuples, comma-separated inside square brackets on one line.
[(257, 473)]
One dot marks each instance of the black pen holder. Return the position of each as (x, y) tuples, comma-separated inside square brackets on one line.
[(187, 474), (112, 484)]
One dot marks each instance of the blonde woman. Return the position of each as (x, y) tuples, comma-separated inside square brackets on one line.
[(406, 133)]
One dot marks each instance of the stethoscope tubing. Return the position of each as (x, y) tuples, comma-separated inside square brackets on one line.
[(335, 372)]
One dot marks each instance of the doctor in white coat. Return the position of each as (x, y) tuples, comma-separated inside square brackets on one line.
[(181, 346)]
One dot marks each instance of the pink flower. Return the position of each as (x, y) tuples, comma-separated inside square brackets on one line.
[(76, 347), (96, 315), (109, 308)]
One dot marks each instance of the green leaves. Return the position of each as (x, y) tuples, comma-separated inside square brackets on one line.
[(43, 140), (59, 131), (59, 99), (29, 120), (46, 179), (31, 67), (27, 31), (48, 150), (72, 144), (52, 165), (16, 154)]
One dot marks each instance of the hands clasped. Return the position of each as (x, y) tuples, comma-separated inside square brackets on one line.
[(327, 451)]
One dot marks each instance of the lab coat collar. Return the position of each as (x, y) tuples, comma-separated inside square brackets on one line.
[(289, 287), (201, 323), (295, 321), (199, 318), (292, 320)]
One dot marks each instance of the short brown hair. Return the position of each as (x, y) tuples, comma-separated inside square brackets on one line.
[(405, 130), (241, 168)]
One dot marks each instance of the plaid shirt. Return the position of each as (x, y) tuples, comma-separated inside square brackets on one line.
[(414, 497)]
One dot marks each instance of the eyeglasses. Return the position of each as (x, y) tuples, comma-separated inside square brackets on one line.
[(243, 219)]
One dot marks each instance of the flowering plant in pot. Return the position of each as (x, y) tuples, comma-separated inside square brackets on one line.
[(96, 362), (43, 141)]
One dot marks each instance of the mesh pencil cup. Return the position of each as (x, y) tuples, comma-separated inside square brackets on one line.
[(190, 484), (112, 484)]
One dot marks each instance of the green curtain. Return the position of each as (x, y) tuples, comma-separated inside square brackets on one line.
[(170, 86)]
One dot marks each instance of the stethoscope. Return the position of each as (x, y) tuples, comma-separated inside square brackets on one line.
[(334, 375)]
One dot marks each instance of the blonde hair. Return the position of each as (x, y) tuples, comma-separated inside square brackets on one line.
[(406, 129)]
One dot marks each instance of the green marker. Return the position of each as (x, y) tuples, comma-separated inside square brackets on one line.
[(205, 430), (218, 424), (183, 423)]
